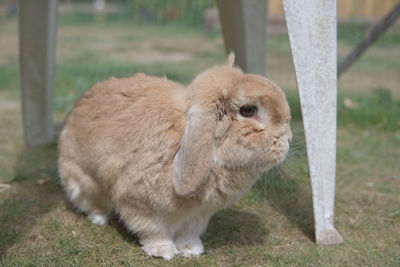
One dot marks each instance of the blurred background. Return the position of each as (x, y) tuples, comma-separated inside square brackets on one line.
[(97, 39), (180, 38)]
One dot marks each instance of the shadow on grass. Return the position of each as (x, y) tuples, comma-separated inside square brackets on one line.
[(131, 238), (234, 227), (227, 227), (287, 187), (27, 200), (290, 197)]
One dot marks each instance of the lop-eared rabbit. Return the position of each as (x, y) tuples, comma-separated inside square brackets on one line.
[(165, 157)]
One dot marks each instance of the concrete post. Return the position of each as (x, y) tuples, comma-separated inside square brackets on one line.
[(37, 36), (312, 32), (244, 26)]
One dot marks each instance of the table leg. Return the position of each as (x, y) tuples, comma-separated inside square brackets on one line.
[(312, 33), (37, 37)]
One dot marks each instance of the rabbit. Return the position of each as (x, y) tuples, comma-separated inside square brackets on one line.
[(166, 157)]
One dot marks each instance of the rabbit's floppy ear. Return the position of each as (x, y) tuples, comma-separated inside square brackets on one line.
[(192, 163)]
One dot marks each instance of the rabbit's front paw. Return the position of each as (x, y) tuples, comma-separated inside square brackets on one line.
[(162, 248), (189, 246), (99, 219)]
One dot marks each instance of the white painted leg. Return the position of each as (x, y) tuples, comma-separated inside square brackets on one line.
[(37, 33), (312, 32), (244, 25)]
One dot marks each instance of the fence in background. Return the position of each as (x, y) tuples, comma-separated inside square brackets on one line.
[(348, 9), (191, 11)]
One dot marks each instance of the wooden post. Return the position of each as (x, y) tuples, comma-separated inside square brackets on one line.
[(37, 37), (312, 33), (244, 26)]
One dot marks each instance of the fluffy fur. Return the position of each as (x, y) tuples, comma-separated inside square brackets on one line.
[(166, 157)]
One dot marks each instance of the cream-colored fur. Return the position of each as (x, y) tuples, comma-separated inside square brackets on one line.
[(166, 157)]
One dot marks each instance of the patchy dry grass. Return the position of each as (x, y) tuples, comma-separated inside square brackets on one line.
[(271, 226)]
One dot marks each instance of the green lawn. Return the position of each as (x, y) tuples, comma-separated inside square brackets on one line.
[(273, 224)]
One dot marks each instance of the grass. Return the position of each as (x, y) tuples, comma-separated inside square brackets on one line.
[(354, 31), (273, 224)]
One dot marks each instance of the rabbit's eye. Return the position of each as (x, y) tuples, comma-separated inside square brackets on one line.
[(248, 111)]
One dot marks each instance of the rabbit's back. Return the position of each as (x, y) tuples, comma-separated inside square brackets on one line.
[(125, 125)]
